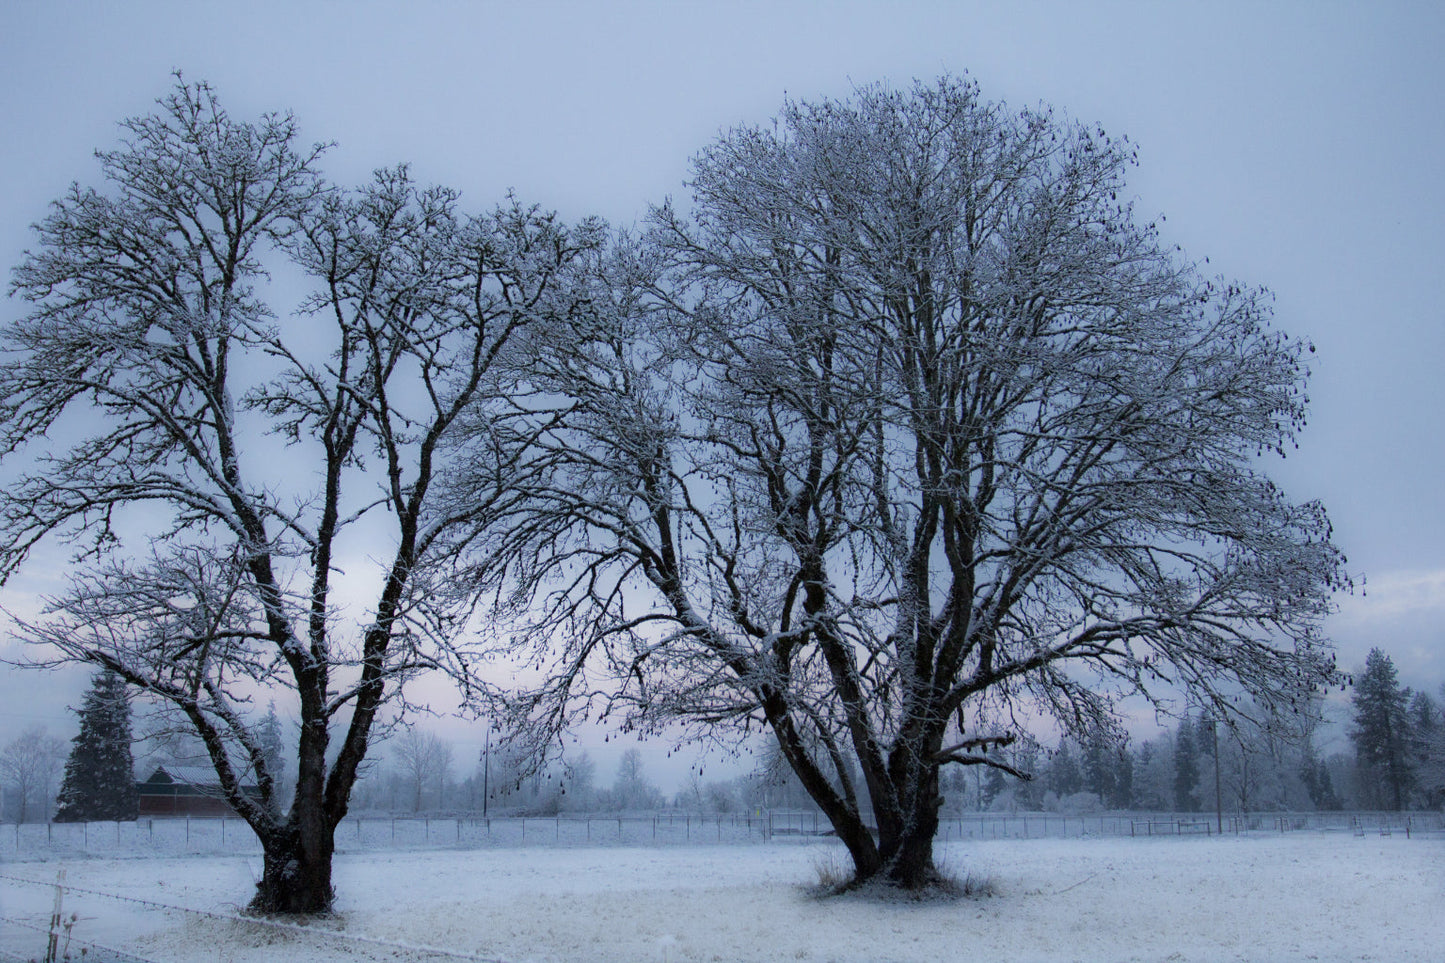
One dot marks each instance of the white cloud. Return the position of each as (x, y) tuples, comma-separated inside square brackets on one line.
[(1395, 594), (1401, 612)]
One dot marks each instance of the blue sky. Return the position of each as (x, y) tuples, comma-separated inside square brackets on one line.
[(1297, 145)]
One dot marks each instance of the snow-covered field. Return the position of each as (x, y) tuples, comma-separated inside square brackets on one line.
[(1265, 897)]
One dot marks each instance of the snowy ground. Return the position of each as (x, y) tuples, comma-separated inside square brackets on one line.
[(1266, 897)]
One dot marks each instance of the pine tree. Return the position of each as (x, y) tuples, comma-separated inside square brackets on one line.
[(1101, 776), (1123, 794), (1028, 794), (99, 781), (1064, 777), (1426, 731), (273, 750), (994, 783), (1382, 732), (1316, 778), (1186, 768)]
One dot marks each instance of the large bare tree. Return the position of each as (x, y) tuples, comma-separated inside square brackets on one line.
[(911, 433), (231, 477)]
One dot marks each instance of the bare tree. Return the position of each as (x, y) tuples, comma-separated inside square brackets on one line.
[(632, 790), (258, 458), (424, 760), (910, 431), (30, 765), (578, 778)]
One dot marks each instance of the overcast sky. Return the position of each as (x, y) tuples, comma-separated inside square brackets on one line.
[(1299, 146)]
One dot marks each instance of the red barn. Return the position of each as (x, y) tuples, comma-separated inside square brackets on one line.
[(186, 791)]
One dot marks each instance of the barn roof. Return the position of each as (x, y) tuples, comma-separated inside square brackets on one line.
[(201, 777)]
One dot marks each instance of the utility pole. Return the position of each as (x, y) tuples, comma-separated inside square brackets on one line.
[(486, 770), (1218, 792)]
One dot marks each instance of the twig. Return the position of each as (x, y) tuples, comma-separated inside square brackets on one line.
[(1074, 886)]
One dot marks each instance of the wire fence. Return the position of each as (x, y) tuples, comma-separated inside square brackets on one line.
[(221, 835), (231, 835), (1137, 824)]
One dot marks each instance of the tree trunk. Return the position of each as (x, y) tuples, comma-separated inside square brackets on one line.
[(296, 878), (907, 848), (902, 855), (908, 861)]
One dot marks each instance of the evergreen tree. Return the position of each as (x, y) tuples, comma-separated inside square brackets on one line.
[(1186, 768), (1329, 799), (1100, 769), (1382, 733), (1208, 786), (99, 781), (1028, 793), (1122, 794), (994, 783), (1064, 776), (1153, 775), (1426, 731), (273, 750), (1316, 778)]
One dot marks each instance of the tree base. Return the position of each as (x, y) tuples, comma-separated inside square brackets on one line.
[(285, 890), (925, 884), (938, 888)]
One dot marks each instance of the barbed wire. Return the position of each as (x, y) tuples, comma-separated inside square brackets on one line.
[(308, 930), (70, 939)]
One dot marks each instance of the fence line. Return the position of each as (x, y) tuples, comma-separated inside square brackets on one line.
[(308, 930), (1057, 826), (219, 835)]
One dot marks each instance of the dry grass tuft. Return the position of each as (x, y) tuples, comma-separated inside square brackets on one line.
[(835, 878)]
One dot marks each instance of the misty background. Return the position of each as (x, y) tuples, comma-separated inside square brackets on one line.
[(1295, 145)]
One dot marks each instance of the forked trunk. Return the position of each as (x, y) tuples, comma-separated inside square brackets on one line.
[(899, 852), (906, 839)]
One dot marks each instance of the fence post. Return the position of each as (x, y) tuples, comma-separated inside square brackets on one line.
[(52, 945)]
